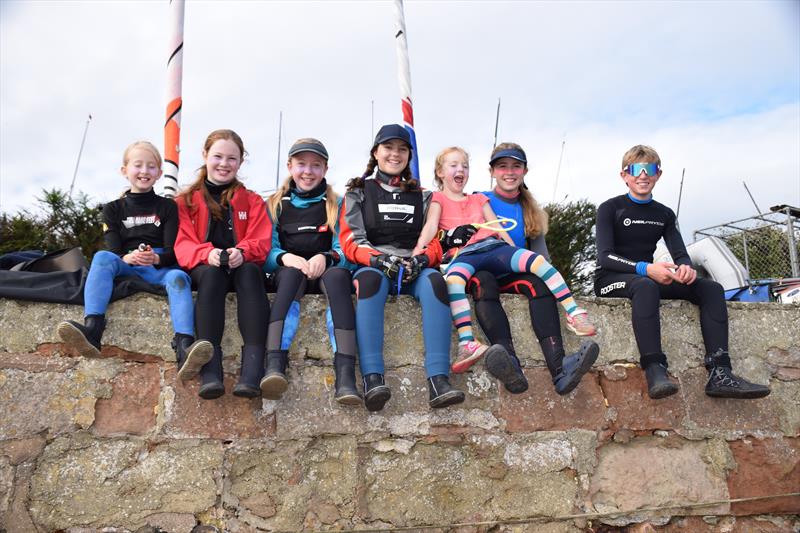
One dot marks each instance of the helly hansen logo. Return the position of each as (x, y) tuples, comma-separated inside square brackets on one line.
[(132, 222), (242, 215), (627, 222), (611, 287)]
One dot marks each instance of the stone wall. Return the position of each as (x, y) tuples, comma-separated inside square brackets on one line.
[(117, 444)]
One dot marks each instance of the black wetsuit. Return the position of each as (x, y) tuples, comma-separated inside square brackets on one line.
[(627, 233), (138, 218)]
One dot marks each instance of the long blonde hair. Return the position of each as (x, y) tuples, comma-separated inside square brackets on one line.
[(331, 198), (199, 184), (536, 219), (144, 145)]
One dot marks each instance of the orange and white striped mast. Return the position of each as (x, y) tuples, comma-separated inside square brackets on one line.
[(172, 127)]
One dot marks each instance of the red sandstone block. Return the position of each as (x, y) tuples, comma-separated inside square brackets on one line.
[(696, 524), (719, 414), (227, 418), (36, 362), (132, 407), (635, 410), (765, 467), (541, 409)]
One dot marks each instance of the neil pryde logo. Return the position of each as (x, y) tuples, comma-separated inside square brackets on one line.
[(621, 260), (627, 222), (613, 286)]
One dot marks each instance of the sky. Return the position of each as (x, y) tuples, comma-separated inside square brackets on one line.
[(713, 86)]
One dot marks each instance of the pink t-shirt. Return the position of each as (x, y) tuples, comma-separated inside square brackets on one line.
[(467, 211)]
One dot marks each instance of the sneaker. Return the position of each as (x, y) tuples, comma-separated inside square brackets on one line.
[(580, 325), (575, 366), (723, 383), (468, 355), (506, 368)]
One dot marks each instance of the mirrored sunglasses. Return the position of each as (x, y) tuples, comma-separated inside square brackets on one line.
[(635, 169)]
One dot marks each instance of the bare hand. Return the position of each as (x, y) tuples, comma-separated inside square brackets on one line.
[(213, 257), (295, 261), (686, 274), (662, 273), (316, 266), (147, 257), (235, 257)]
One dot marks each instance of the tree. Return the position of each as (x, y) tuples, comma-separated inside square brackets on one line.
[(571, 244), (63, 222), (767, 251)]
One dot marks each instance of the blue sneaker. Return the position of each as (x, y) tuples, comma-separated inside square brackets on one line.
[(575, 366)]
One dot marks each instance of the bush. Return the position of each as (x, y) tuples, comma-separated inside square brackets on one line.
[(571, 243)]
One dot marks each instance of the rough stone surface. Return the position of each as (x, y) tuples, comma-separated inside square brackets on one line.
[(117, 445), (81, 480), (649, 472), (132, 406), (540, 408), (765, 467)]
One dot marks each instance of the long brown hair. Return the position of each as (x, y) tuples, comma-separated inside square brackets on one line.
[(536, 219), (407, 181), (199, 184)]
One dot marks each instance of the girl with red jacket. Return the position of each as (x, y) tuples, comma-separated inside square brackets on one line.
[(223, 238)]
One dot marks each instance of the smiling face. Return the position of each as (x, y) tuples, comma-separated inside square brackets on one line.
[(452, 169), (392, 156), (307, 170), (142, 169), (222, 161), (641, 186), (509, 173)]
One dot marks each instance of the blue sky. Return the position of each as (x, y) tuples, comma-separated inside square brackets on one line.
[(713, 86)]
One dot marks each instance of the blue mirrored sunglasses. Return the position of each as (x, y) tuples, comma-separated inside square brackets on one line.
[(634, 169)]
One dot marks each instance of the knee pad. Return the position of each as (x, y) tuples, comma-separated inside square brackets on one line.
[(178, 280), (483, 286), (368, 283), (438, 285)]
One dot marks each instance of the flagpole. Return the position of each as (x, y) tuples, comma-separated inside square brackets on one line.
[(172, 127), (404, 74)]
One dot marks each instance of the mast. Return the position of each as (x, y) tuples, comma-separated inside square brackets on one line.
[(172, 127), (80, 151), (404, 74)]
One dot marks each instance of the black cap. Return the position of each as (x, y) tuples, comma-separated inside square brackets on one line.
[(315, 147), (392, 131)]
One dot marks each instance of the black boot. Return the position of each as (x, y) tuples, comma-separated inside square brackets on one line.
[(275, 383), (376, 393), (442, 393), (190, 356), (251, 372), (659, 385), (211, 384), (345, 369), (506, 367), (723, 383), (85, 339)]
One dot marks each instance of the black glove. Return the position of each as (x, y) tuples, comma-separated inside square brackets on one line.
[(388, 264), (414, 267), (458, 236)]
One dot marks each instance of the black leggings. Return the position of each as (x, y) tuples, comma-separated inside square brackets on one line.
[(213, 284), (485, 289), (290, 286), (645, 295)]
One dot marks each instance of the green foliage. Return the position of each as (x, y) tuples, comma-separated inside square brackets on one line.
[(571, 244), (767, 251), (63, 222)]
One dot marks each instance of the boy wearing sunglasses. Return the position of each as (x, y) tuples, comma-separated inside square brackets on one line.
[(628, 228)]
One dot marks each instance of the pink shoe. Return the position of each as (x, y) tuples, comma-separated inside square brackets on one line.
[(580, 325), (468, 355)]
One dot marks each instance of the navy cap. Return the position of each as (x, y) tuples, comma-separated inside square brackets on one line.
[(392, 131), (513, 153), (315, 147)]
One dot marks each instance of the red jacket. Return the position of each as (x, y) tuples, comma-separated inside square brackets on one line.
[(252, 229)]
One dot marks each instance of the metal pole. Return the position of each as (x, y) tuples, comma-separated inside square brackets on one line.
[(558, 171), (680, 194), (80, 151), (746, 256), (758, 209), (278, 158), (792, 244), (494, 144), (372, 122)]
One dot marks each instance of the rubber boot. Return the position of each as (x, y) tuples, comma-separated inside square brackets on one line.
[(659, 384), (190, 356), (211, 384), (575, 366), (442, 393), (275, 383), (251, 372), (376, 393), (345, 370), (723, 383), (85, 339), (505, 366)]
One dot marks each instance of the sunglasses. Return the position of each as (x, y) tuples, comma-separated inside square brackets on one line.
[(635, 169)]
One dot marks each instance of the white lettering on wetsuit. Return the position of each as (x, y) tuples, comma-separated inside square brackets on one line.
[(613, 286), (621, 260), (628, 222), (132, 222)]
